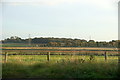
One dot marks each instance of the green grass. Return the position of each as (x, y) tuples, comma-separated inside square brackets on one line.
[(15, 45), (55, 58), (59, 66)]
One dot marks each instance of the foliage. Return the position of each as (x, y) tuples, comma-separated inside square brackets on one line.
[(61, 42)]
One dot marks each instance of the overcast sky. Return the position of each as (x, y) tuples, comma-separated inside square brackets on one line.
[(61, 18)]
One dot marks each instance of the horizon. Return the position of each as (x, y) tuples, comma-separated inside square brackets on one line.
[(59, 37)]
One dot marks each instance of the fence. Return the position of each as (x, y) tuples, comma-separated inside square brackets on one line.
[(47, 56), (49, 50)]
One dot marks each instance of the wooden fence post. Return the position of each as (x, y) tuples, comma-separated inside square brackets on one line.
[(48, 56), (5, 57), (60, 53), (105, 55)]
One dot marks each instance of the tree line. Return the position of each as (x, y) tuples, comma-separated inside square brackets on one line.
[(61, 42)]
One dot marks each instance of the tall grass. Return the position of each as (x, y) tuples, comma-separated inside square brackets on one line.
[(66, 66)]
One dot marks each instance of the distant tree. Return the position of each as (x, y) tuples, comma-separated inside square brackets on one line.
[(59, 42)]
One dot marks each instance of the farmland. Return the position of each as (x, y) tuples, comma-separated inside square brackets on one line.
[(75, 63)]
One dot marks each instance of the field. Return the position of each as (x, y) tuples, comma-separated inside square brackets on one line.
[(59, 62), (59, 66)]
